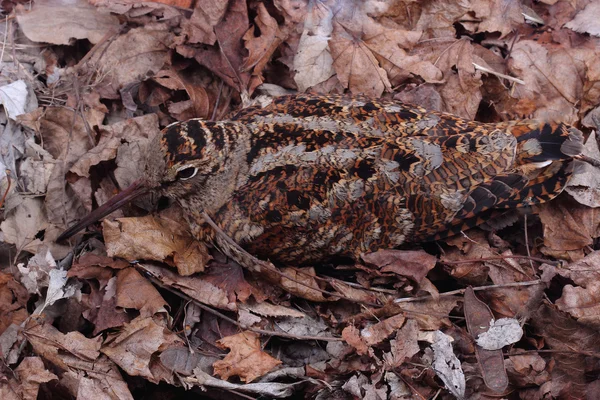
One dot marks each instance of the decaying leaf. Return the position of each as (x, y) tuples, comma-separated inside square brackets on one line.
[(246, 358), (155, 238), (446, 365), (60, 22)]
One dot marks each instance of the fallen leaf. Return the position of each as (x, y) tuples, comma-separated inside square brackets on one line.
[(585, 21), (226, 61), (13, 303), (491, 361), (136, 343), (131, 57), (503, 17), (404, 346), (194, 286), (377, 333), (313, 62), (61, 21), (230, 278), (270, 389), (446, 366), (32, 374), (568, 225), (352, 336), (261, 48), (199, 28), (356, 67), (584, 185), (301, 282), (134, 291), (56, 347), (14, 98), (246, 358), (155, 238), (581, 299), (414, 264)]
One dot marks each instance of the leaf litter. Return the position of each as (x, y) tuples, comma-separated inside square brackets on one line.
[(139, 309)]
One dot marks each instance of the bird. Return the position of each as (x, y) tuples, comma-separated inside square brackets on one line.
[(310, 177)]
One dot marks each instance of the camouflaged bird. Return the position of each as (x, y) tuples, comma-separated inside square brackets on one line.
[(309, 177)]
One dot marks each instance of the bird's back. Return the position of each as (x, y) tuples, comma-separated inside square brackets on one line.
[(338, 175)]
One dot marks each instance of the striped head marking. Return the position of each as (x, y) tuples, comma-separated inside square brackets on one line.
[(196, 159)]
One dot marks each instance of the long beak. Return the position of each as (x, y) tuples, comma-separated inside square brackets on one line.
[(136, 189)]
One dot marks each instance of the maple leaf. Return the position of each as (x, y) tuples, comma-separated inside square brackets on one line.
[(246, 358)]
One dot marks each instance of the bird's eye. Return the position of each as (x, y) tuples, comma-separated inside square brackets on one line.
[(187, 172)]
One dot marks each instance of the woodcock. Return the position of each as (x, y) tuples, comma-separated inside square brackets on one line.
[(309, 177)]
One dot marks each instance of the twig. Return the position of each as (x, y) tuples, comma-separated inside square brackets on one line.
[(231, 320), (462, 291), (472, 260), (589, 160), (498, 74)]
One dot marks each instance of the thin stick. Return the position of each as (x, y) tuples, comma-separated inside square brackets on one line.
[(498, 74), (462, 291), (541, 260), (231, 320), (589, 160)]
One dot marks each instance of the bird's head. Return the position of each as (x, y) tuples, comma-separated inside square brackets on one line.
[(197, 163)]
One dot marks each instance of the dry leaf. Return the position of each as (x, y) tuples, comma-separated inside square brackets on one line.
[(313, 62), (479, 318), (61, 21), (301, 282), (414, 264), (134, 345), (32, 373), (131, 57), (246, 358), (377, 333), (404, 346), (155, 238), (134, 291), (261, 48), (199, 28), (586, 20), (194, 286)]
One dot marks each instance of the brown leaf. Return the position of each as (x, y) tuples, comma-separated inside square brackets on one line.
[(77, 20), (568, 225), (582, 300), (355, 65), (300, 282), (230, 278), (261, 48), (571, 341), (131, 57), (31, 374), (585, 21), (497, 16), (414, 264), (352, 336), (13, 302), (102, 308), (551, 76), (227, 60), (404, 346), (478, 317), (246, 358), (133, 346), (377, 333), (155, 238), (199, 28), (56, 347), (194, 286), (312, 62), (134, 291)]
